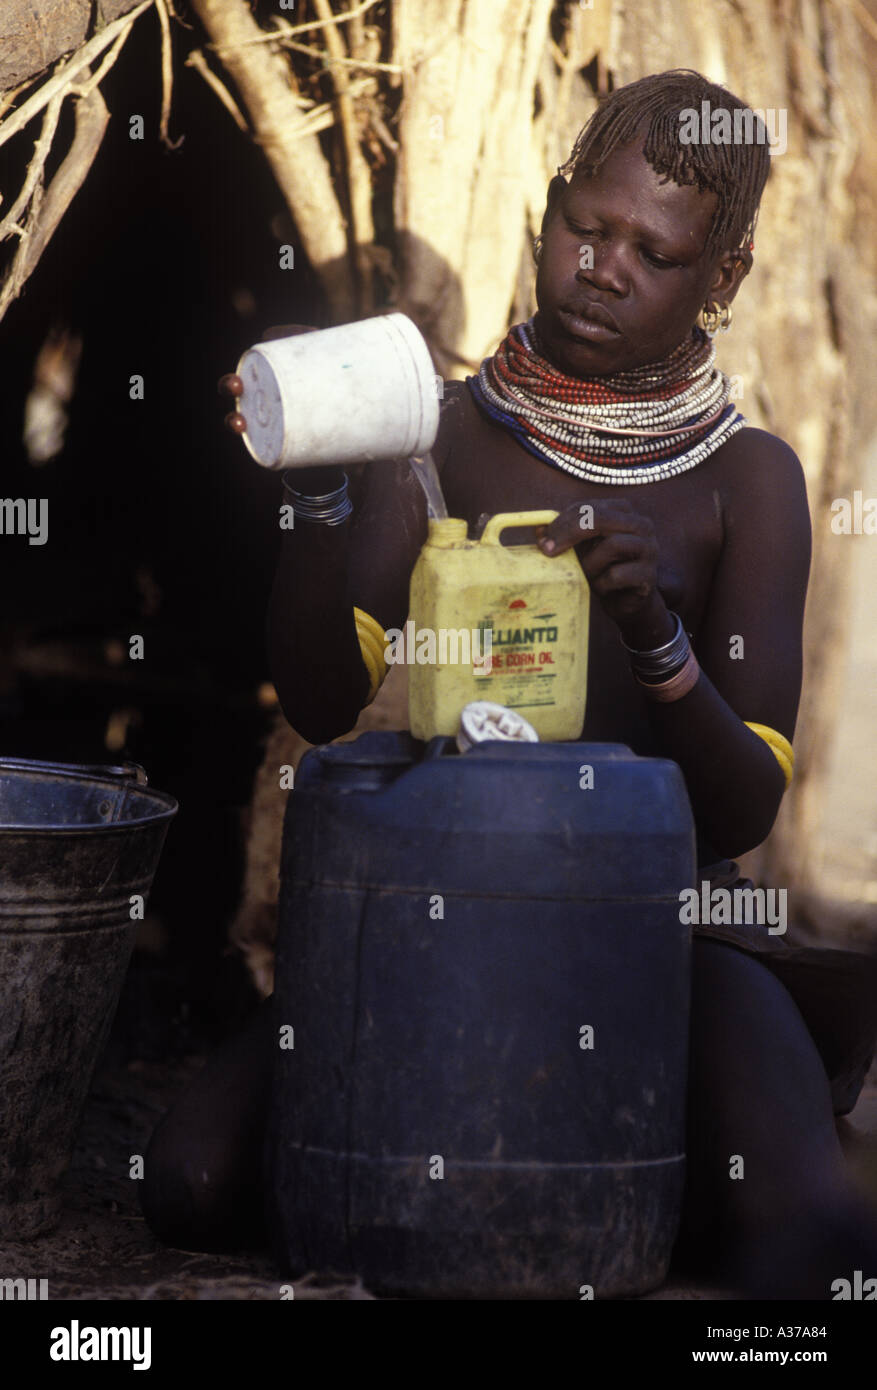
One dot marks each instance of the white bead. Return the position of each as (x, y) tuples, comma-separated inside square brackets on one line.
[(591, 426)]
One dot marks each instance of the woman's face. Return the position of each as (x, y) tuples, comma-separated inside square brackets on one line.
[(649, 278)]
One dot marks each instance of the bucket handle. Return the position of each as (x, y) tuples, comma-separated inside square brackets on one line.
[(497, 524), (122, 771)]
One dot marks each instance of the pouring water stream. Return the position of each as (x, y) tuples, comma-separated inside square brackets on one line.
[(426, 473)]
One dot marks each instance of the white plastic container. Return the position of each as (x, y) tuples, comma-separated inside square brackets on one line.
[(483, 720), (361, 391)]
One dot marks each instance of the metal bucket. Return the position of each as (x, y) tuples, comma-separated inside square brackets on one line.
[(79, 847)]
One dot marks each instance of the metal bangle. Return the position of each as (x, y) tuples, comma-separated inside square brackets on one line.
[(665, 667), (330, 508), (677, 685), (657, 651), (664, 660)]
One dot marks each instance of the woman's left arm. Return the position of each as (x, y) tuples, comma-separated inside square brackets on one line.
[(749, 645), (749, 648)]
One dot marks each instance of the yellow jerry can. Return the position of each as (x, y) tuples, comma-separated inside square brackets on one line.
[(495, 622)]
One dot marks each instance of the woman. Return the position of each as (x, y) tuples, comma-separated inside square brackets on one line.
[(607, 407)]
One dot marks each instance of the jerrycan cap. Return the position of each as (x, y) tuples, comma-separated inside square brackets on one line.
[(483, 720)]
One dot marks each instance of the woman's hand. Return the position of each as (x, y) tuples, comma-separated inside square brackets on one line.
[(618, 551)]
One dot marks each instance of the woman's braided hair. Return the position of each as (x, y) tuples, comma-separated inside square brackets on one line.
[(649, 109)]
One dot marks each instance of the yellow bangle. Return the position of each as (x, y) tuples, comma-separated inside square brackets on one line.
[(778, 745), (372, 643)]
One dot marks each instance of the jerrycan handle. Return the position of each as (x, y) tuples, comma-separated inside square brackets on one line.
[(497, 524)]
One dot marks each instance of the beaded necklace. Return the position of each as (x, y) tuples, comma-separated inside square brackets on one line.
[(662, 419)]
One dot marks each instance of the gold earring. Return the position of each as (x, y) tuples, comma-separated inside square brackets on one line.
[(726, 316), (537, 248), (710, 317)]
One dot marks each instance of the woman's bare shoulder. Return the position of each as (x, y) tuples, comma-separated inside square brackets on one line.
[(752, 450), (761, 478)]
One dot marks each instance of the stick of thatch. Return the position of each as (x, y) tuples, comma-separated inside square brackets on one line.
[(358, 174), (72, 77), (267, 87), (63, 75), (10, 224), (286, 29), (197, 61), (46, 212), (167, 74)]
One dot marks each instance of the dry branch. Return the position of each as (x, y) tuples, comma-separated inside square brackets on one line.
[(67, 70), (288, 29), (197, 61), (370, 64), (10, 225), (82, 89), (167, 75), (356, 42), (9, 98), (358, 173), (46, 212), (72, 77), (268, 89)]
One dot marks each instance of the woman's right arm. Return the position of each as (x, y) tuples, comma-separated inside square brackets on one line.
[(323, 571)]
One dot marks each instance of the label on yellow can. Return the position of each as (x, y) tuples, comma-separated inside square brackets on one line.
[(527, 617), (525, 654)]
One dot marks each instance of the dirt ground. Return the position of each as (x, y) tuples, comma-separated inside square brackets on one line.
[(103, 1250)]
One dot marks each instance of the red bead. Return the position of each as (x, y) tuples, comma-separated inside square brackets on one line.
[(236, 422), (230, 385)]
